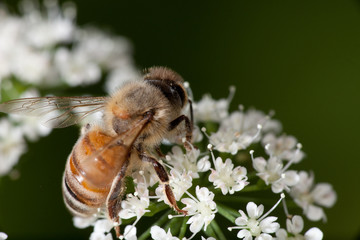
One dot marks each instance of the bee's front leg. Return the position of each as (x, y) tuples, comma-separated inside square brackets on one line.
[(188, 129), (164, 179)]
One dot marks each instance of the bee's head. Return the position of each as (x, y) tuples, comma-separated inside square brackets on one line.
[(169, 83)]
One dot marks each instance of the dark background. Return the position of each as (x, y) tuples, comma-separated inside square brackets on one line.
[(299, 58)]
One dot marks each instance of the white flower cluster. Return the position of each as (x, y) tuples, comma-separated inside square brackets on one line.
[(200, 181), (35, 48), (43, 48)]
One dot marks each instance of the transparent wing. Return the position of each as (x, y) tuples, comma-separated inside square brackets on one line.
[(55, 112), (118, 148)]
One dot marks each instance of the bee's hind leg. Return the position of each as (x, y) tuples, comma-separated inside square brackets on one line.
[(113, 201), (164, 179)]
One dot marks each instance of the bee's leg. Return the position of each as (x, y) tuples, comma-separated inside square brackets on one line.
[(164, 179), (191, 113), (159, 152), (188, 128), (113, 201)]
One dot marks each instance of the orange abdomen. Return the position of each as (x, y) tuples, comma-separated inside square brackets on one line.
[(91, 167)]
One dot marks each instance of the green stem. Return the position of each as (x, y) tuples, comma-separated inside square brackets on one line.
[(228, 213), (183, 228), (210, 231), (159, 222), (174, 226), (217, 230), (253, 188)]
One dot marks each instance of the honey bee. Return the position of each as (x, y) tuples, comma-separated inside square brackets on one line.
[(135, 121)]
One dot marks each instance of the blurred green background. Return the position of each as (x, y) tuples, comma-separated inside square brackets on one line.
[(299, 58)]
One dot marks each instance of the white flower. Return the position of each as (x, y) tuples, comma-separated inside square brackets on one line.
[(254, 117), (81, 223), (157, 233), (310, 198), (228, 178), (179, 184), (146, 175), (12, 145), (76, 68), (130, 232), (119, 76), (273, 172), (283, 147), (294, 227), (201, 210), (134, 206), (29, 65), (210, 238), (10, 28), (188, 161), (31, 127), (102, 227), (44, 29), (240, 129), (106, 50), (255, 225), (208, 109), (3, 236), (197, 134), (100, 236)]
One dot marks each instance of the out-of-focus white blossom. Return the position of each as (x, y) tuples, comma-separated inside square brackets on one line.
[(102, 227), (119, 76), (30, 126), (76, 68), (100, 236), (210, 238), (12, 145), (3, 236), (35, 47), (157, 233), (240, 129), (273, 172), (80, 222), (108, 51), (311, 198), (202, 210), (294, 228), (29, 65), (283, 147), (46, 28), (208, 109), (130, 232)]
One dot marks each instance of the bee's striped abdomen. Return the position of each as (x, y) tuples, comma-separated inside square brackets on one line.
[(82, 196)]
